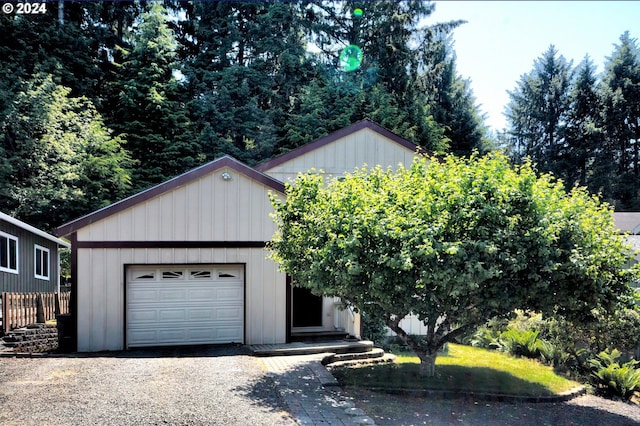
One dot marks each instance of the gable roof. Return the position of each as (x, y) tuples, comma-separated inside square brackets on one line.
[(338, 134), (33, 229), (178, 181)]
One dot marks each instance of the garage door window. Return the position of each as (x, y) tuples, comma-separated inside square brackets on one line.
[(172, 275), (200, 275)]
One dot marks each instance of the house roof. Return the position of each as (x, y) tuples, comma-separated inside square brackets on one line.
[(178, 181), (364, 124), (33, 229)]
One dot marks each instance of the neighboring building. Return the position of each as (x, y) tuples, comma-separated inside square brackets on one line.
[(29, 258), (629, 223), (185, 262)]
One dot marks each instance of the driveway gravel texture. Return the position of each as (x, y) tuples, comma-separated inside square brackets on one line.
[(178, 386), (224, 385)]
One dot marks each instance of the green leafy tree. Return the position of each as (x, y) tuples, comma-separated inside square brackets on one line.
[(59, 161), (453, 241)]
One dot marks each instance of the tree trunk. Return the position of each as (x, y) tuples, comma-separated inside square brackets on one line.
[(427, 356), (427, 364)]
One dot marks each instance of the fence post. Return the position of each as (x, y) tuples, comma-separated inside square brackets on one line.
[(57, 304), (5, 313), (39, 309)]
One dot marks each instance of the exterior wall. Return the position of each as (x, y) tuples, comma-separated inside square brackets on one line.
[(345, 154), (101, 291), (207, 209), (25, 281)]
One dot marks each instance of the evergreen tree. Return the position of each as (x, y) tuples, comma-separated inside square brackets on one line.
[(537, 111), (586, 160), (621, 109), (454, 106), (397, 53), (246, 63), (59, 161), (149, 109)]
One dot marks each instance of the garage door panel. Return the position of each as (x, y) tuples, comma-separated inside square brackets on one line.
[(142, 295), (178, 305), (168, 295), (143, 315)]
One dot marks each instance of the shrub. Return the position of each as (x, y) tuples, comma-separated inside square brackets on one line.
[(612, 379), (521, 343)]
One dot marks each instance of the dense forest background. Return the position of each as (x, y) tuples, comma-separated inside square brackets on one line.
[(103, 99)]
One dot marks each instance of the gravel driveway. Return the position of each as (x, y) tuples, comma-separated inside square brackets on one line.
[(194, 386)]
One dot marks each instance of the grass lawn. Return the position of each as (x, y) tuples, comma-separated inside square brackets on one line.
[(464, 368)]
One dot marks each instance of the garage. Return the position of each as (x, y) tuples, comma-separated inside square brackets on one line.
[(170, 305)]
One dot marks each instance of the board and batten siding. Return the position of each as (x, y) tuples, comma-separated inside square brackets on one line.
[(206, 209), (101, 305), (345, 154), (25, 281)]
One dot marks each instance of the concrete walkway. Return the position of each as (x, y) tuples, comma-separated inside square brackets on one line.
[(311, 393)]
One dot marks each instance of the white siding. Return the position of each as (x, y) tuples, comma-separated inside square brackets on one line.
[(101, 289), (345, 154), (207, 209)]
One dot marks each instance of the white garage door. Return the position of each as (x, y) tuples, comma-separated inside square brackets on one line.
[(185, 305)]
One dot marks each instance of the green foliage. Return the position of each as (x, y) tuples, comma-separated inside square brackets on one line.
[(615, 379), (454, 241), (373, 327), (582, 130), (538, 110), (62, 160), (520, 343), (148, 109)]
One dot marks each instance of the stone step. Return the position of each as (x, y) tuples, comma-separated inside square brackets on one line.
[(353, 356)]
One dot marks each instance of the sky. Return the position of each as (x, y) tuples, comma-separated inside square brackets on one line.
[(502, 39)]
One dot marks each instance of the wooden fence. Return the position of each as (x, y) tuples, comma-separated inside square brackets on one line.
[(20, 309)]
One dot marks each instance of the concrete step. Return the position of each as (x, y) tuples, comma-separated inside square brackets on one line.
[(308, 348), (322, 336)]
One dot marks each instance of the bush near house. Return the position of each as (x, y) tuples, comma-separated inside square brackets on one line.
[(590, 353)]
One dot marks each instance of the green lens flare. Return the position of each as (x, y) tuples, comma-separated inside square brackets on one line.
[(357, 12), (350, 58)]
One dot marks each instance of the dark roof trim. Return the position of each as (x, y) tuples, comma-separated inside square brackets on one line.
[(33, 230), (168, 244), (364, 124), (169, 185)]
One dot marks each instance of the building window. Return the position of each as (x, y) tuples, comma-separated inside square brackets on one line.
[(8, 253), (42, 263)]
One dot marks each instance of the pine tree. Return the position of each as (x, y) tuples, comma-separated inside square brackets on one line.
[(149, 109), (537, 111), (246, 63), (621, 109), (454, 106), (586, 161)]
